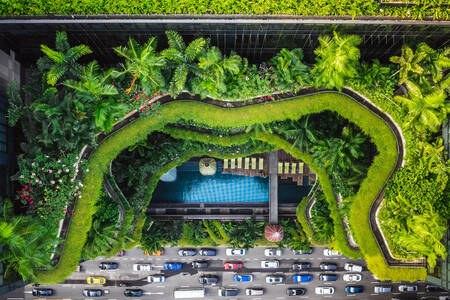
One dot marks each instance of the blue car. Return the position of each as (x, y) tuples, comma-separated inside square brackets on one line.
[(353, 289), (243, 278), (172, 266), (302, 278)]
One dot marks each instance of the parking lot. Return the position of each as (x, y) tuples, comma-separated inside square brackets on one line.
[(188, 277)]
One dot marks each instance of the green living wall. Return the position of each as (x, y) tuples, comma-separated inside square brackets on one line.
[(262, 113)]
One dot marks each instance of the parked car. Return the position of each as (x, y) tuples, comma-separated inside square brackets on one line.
[(328, 277), (173, 266), (242, 278), (142, 267), (354, 289), (108, 266), (267, 264), (94, 293), (301, 266), (210, 279), (200, 264), (96, 280), (324, 290), (274, 279), (301, 252), (207, 252), (328, 266), (407, 288), (224, 292), (295, 291), (121, 253), (233, 265), (254, 291), (133, 293), (352, 267), (433, 288), (302, 278), (234, 252), (187, 252), (382, 289), (271, 252), (156, 253), (42, 292), (156, 278), (330, 252), (352, 277)]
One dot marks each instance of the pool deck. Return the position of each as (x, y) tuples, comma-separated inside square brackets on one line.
[(273, 187)]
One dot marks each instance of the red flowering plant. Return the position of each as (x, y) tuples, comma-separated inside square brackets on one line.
[(49, 184), (150, 110)]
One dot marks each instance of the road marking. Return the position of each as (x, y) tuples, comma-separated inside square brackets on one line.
[(374, 294), (374, 282), (160, 286), (351, 295)]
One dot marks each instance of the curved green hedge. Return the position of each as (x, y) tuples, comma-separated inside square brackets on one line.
[(218, 117)]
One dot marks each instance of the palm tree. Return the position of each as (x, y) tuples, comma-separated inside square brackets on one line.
[(435, 61), (337, 59), (143, 63), (64, 58), (182, 58), (424, 111), (409, 62), (300, 132), (289, 71), (100, 240)]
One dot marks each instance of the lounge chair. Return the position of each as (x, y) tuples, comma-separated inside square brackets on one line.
[(261, 163), (280, 168), (247, 163), (239, 163), (300, 168), (253, 163), (233, 161), (294, 168), (286, 168), (225, 163)]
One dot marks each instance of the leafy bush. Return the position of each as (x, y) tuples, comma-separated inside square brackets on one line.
[(321, 222)]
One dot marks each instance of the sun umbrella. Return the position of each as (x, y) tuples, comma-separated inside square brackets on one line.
[(207, 166), (274, 233)]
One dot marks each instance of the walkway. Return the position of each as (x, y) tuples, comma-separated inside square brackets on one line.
[(273, 187)]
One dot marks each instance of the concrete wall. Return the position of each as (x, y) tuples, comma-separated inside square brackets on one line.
[(9, 69)]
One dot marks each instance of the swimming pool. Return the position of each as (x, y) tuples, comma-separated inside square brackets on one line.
[(192, 187)]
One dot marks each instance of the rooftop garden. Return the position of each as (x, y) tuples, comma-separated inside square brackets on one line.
[(415, 9), (70, 102)]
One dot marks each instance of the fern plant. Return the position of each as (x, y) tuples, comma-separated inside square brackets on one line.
[(409, 63), (182, 60), (63, 59), (290, 74), (337, 60)]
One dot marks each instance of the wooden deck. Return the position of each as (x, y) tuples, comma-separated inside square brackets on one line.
[(258, 165)]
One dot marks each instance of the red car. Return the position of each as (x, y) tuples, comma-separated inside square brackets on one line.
[(120, 253), (232, 265)]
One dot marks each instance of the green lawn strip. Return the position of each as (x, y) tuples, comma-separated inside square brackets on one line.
[(340, 239), (215, 117)]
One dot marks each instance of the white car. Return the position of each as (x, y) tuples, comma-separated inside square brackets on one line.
[(407, 288), (324, 290), (254, 292), (156, 278), (142, 267), (274, 279), (269, 264), (235, 252), (272, 252), (352, 277), (353, 267), (330, 252)]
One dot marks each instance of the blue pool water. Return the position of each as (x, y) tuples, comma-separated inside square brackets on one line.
[(192, 187)]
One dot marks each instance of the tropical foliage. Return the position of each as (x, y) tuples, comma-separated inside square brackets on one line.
[(321, 222)]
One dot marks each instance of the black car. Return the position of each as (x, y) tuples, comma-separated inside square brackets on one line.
[(42, 292), (228, 292), (199, 264), (207, 252), (328, 277), (187, 252), (328, 266), (108, 266), (133, 293), (295, 291), (92, 293), (208, 279), (433, 288), (301, 266)]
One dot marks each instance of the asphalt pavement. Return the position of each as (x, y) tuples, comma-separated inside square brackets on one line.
[(72, 288)]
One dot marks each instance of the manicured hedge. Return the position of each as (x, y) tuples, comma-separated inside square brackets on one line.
[(201, 7), (239, 117)]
